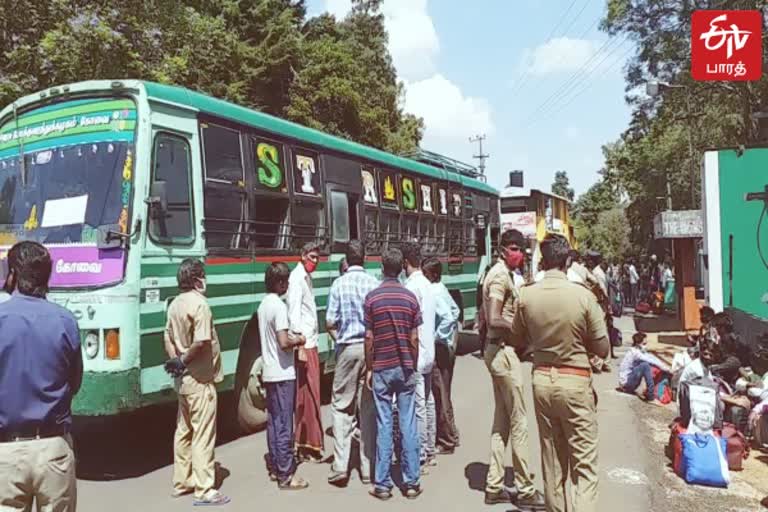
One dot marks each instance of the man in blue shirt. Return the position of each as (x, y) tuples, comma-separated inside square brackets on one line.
[(446, 326), (345, 324), (41, 371)]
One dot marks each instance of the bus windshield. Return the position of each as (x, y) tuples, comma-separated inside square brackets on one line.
[(76, 177)]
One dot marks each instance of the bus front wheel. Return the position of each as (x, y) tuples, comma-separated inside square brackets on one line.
[(252, 405)]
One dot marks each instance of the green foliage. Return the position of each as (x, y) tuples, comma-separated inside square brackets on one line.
[(665, 140), (561, 185), (332, 75), (610, 234), (587, 210), (347, 84)]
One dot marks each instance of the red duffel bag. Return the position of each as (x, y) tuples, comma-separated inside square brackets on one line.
[(737, 448), (675, 447)]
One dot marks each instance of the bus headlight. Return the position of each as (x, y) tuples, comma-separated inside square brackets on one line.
[(91, 344)]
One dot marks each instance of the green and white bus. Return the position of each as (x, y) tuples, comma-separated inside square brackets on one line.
[(122, 180)]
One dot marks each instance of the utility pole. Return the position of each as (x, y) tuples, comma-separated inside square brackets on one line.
[(480, 156), (669, 194)]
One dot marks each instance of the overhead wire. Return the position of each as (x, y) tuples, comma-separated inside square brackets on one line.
[(527, 71), (579, 77), (582, 90), (581, 36), (575, 77), (575, 18)]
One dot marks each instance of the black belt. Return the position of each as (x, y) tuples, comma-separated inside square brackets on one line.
[(32, 434)]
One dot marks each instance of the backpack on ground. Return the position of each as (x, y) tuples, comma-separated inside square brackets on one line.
[(643, 308), (684, 401), (737, 448), (662, 389)]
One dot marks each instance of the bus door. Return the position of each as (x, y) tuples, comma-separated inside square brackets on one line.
[(344, 187)]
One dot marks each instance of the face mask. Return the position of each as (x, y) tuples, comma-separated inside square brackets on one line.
[(310, 266), (513, 259), (202, 285)]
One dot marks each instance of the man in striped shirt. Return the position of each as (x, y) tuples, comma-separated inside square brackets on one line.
[(392, 319)]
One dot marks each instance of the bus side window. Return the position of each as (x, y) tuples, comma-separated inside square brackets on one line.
[(371, 233), (441, 235), (172, 165), (340, 217), (427, 234), (390, 228), (226, 206), (307, 223)]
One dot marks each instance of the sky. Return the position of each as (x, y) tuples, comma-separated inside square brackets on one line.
[(536, 77)]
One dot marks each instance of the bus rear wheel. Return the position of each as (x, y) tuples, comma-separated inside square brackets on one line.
[(252, 404)]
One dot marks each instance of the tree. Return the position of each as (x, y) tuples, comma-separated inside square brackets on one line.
[(586, 211), (347, 84), (611, 234), (667, 135), (332, 75), (561, 186)]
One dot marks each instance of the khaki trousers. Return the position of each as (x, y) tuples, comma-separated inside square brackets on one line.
[(566, 413), (41, 470), (510, 424), (351, 399), (195, 439)]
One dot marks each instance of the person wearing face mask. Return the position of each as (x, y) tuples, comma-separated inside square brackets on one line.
[(302, 321), (510, 422), (195, 364)]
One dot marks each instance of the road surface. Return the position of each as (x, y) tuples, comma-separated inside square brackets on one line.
[(129, 468)]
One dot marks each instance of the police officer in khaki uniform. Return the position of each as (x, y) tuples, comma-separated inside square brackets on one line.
[(562, 323), (195, 363), (510, 423)]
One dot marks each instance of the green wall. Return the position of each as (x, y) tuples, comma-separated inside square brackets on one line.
[(739, 175)]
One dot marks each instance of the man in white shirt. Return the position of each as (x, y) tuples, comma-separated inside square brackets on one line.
[(420, 286), (596, 261), (636, 367), (302, 321), (279, 376), (575, 269)]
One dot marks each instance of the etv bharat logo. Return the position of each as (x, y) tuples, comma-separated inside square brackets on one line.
[(726, 45)]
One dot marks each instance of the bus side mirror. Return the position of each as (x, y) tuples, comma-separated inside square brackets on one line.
[(109, 237), (158, 200)]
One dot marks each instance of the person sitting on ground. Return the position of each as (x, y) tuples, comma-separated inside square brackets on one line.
[(636, 367), (706, 314), (733, 353)]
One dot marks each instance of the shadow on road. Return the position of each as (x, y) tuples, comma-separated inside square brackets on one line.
[(137, 443), (476, 473)]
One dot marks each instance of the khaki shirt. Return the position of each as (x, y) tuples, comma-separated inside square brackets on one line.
[(561, 321), (190, 320), (499, 284)]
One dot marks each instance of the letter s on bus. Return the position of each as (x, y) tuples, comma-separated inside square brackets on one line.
[(269, 173)]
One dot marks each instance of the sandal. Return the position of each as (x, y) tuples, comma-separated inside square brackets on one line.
[(213, 499), (413, 492), (380, 494), (178, 493), (296, 483)]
